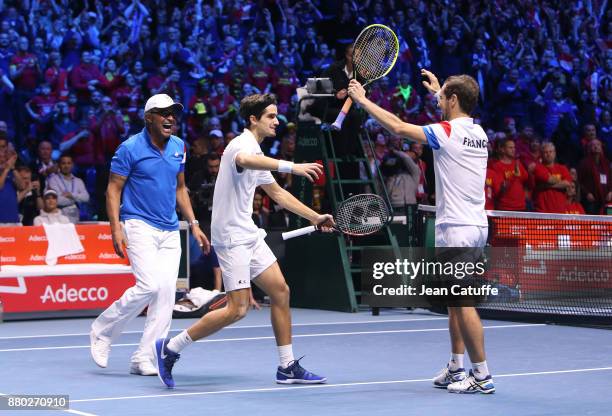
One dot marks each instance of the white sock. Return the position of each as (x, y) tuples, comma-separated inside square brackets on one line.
[(285, 354), (179, 342), (481, 371), (455, 362)]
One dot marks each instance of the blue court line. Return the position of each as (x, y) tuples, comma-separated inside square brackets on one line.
[(397, 331), (323, 386)]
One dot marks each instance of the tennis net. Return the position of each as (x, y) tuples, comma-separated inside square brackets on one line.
[(554, 268)]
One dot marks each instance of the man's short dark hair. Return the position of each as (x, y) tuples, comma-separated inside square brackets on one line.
[(255, 105), (212, 156), (466, 89)]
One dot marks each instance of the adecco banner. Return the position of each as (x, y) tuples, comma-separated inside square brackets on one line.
[(57, 293), (28, 246)]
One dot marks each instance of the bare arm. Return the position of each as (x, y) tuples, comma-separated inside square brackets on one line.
[(389, 121), (113, 200), (310, 171), (291, 203), (184, 204)]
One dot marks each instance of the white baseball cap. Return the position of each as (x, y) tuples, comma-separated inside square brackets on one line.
[(161, 101)]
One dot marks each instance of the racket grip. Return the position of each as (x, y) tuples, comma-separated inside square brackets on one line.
[(300, 231), (337, 125)]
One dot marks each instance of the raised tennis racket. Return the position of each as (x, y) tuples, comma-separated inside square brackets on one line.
[(374, 55), (357, 216)]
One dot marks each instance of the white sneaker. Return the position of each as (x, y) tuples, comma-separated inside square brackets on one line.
[(99, 350), (470, 385), (144, 368), (446, 377)]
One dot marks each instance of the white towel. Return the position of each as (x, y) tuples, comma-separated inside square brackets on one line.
[(63, 241)]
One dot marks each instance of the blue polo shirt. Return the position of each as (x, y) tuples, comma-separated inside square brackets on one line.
[(8, 195), (149, 193)]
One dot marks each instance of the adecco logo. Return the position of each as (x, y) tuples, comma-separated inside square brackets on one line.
[(108, 256), (71, 295), (36, 257), (7, 239), (8, 259), (37, 238), (76, 257), (104, 236)]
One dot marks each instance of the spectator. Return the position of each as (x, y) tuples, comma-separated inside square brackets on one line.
[(203, 188), (260, 213), (29, 196), (551, 182), (573, 200), (9, 183), (402, 175), (595, 179), (514, 175), (24, 72), (196, 161), (50, 214), (493, 186), (70, 190), (215, 138), (43, 165)]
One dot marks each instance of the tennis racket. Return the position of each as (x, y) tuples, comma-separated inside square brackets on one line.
[(374, 55), (357, 216)]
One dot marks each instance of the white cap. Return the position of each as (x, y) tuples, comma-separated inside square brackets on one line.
[(217, 133), (161, 101)]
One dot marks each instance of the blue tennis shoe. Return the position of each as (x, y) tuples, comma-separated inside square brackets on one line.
[(165, 359), (296, 374)]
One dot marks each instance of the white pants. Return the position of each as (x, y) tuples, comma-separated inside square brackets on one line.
[(155, 256), (449, 235)]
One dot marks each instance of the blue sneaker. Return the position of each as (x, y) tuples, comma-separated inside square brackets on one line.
[(470, 385), (164, 360), (296, 374)]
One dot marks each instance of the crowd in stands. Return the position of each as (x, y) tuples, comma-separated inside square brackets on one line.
[(74, 76)]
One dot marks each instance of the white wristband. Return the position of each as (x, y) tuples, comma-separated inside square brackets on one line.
[(284, 166)]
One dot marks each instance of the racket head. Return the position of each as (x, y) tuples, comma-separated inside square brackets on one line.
[(374, 53), (362, 214)]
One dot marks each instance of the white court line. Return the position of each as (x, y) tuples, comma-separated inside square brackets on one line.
[(323, 386), (241, 327), (75, 412), (330, 334)]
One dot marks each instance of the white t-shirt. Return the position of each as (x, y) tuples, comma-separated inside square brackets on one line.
[(460, 164), (232, 223)]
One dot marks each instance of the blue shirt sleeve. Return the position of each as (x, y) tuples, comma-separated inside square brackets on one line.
[(432, 140), (121, 163)]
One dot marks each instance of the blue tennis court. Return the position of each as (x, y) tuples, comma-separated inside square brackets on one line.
[(379, 365)]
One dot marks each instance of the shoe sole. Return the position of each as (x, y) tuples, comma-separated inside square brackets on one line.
[(92, 340), (157, 366), (140, 373), (295, 381), (489, 391)]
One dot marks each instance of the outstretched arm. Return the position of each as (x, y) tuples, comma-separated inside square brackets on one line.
[(389, 121), (310, 171), (291, 203)]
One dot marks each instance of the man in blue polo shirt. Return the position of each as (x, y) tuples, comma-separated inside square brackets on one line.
[(147, 181)]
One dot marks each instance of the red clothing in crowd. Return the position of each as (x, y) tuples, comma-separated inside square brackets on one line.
[(43, 104), (546, 198), (58, 79), (595, 178), (574, 208), (83, 152), (28, 78), (285, 85), (493, 185), (261, 76), (384, 99), (109, 130), (80, 77), (514, 176)]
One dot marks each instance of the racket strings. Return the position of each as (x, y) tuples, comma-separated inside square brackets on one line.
[(374, 53), (362, 215)]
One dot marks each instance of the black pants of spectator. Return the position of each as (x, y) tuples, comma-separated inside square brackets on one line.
[(593, 208)]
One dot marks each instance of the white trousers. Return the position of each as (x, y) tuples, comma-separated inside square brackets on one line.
[(449, 235), (155, 256)]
